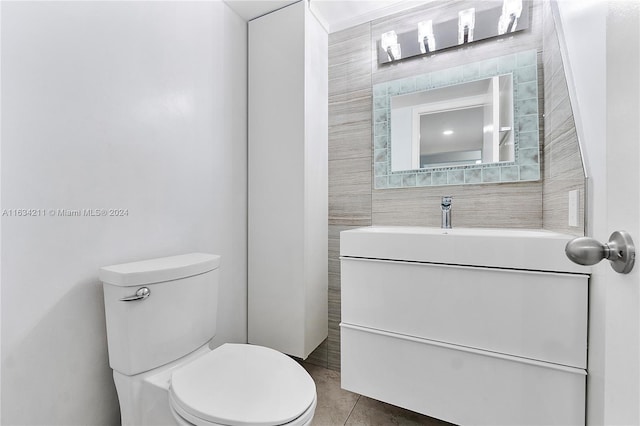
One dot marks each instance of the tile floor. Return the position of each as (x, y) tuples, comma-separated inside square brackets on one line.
[(337, 406)]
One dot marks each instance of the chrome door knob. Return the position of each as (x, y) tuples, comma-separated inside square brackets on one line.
[(620, 251)]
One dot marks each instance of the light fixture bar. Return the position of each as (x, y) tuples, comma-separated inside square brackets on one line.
[(471, 24)]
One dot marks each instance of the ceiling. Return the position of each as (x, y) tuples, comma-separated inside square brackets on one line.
[(251, 9), (335, 15)]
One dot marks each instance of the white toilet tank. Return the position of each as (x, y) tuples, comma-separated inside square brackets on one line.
[(177, 316)]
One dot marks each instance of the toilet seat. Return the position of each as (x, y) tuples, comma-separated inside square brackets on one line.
[(181, 417), (240, 385)]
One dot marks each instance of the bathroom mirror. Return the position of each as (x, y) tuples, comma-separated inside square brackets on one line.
[(476, 123), (467, 123)]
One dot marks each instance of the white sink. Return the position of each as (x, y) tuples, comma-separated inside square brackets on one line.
[(533, 249)]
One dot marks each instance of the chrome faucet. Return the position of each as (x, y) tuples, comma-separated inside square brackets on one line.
[(445, 206)]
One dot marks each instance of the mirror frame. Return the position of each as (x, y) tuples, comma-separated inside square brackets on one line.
[(526, 165)]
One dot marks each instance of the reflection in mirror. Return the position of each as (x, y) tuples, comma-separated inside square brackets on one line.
[(469, 123)]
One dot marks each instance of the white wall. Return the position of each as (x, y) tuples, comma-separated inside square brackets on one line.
[(584, 56), (134, 105)]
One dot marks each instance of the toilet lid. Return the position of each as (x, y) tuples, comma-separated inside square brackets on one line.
[(238, 384)]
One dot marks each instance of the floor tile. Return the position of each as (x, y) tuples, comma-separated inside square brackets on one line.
[(334, 403), (370, 412), (338, 407)]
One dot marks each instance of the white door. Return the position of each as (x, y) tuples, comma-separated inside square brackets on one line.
[(614, 383), (621, 380), (602, 41)]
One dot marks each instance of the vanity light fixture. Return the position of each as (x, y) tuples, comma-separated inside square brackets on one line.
[(511, 11), (426, 39), (433, 32), (466, 23), (389, 43)]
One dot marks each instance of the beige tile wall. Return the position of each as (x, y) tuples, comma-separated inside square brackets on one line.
[(353, 70), (563, 169)]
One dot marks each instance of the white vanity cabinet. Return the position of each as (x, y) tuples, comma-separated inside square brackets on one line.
[(464, 343), (287, 181)]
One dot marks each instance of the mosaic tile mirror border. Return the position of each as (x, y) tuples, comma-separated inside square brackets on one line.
[(526, 167)]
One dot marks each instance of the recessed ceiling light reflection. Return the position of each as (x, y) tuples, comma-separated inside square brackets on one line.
[(447, 132)]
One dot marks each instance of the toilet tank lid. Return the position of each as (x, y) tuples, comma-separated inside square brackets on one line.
[(159, 270)]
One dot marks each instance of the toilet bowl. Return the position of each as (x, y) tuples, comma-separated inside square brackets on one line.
[(164, 371)]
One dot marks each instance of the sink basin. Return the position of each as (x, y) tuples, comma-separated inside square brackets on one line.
[(533, 249)]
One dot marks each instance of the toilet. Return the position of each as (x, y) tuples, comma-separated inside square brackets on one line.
[(161, 315)]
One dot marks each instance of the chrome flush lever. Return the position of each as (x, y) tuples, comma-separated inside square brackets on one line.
[(620, 251), (142, 293)]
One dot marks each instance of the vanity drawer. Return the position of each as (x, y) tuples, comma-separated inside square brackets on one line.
[(460, 385), (536, 315)]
